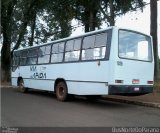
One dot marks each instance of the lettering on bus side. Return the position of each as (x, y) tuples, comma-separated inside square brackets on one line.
[(33, 68), (37, 75)]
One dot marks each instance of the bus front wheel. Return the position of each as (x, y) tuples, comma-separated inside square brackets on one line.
[(61, 91), (21, 85)]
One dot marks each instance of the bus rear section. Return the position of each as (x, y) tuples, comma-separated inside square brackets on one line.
[(134, 65)]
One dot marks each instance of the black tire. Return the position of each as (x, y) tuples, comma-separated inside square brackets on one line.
[(61, 91), (21, 86)]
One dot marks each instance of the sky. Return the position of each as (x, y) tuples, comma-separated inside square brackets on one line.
[(136, 20)]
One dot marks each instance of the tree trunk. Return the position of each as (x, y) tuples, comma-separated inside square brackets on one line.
[(33, 29), (86, 20), (92, 17), (153, 32), (6, 14), (91, 21), (111, 18), (5, 60), (6, 56), (86, 27)]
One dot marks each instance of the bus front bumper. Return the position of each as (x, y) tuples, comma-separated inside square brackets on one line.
[(130, 90)]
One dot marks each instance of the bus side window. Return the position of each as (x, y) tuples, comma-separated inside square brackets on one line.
[(72, 51), (88, 48), (32, 56), (44, 54), (57, 52), (23, 57), (100, 46), (15, 62), (94, 47)]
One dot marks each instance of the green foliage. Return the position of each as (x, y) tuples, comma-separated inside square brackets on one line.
[(36, 21), (59, 18), (113, 8), (90, 17)]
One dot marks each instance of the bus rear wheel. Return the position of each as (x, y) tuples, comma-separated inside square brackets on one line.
[(61, 91), (21, 85)]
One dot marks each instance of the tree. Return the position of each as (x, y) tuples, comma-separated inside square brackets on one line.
[(153, 32), (87, 11), (6, 24), (50, 22), (15, 14), (113, 8), (60, 15), (92, 17), (29, 14)]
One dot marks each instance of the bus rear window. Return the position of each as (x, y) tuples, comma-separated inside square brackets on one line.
[(133, 45)]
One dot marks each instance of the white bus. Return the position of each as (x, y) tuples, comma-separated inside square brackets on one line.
[(113, 61)]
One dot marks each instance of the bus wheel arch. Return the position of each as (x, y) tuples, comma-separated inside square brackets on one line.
[(20, 84), (19, 79), (61, 89)]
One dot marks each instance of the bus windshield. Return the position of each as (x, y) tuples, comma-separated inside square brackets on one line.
[(135, 46)]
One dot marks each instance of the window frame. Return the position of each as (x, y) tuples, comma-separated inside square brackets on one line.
[(31, 56), (64, 42), (44, 54), (107, 45), (20, 57), (74, 50), (14, 67)]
